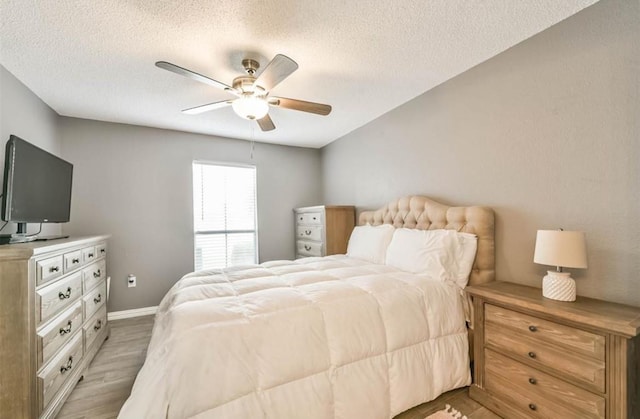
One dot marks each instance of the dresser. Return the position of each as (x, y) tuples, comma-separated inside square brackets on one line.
[(541, 358), (323, 230), (53, 320)]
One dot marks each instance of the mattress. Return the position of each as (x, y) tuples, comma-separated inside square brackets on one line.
[(331, 337)]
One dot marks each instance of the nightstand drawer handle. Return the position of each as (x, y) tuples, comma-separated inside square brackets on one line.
[(532, 381), (307, 248), (533, 328), (307, 232), (532, 354), (532, 406)]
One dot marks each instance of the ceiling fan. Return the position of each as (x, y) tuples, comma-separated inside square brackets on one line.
[(252, 93)]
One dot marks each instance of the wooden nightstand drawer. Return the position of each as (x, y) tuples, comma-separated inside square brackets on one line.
[(539, 353), (539, 387), (574, 340)]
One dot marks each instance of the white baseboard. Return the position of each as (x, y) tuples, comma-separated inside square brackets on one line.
[(136, 312)]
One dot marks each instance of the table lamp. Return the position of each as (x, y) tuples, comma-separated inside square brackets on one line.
[(563, 249)]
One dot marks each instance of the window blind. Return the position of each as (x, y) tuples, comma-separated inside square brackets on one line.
[(224, 215)]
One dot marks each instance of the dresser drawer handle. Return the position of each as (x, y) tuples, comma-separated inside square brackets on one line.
[(307, 247), (74, 261), (68, 366), (65, 330), (531, 354), (97, 299), (97, 274), (64, 296), (103, 250), (98, 325), (90, 255), (307, 232), (533, 381), (532, 406), (533, 329), (301, 218), (314, 218), (54, 269)]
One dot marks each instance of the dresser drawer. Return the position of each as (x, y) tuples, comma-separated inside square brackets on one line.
[(55, 297), (101, 250), (313, 218), (93, 274), (51, 378), (48, 269), (94, 300), (306, 248), (89, 254), (58, 332), (574, 340), (72, 260), (309, 232), (538, 353), (94, 326), (538, 387)]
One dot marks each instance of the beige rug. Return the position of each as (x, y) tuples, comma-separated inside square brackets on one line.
[(447, 413)]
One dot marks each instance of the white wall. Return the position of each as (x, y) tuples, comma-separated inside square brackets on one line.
[(547, 133), (23, 114), (136, 184)]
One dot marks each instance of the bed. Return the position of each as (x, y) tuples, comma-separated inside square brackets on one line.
[(332, 337)]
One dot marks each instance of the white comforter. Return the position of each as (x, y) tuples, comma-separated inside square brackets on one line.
[(329, 337)]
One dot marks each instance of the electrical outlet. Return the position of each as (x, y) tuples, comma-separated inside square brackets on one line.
[(131, 280)]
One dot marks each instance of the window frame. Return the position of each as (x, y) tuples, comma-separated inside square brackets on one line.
[(255, 200)]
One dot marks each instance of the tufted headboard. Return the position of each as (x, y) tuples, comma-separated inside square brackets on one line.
[(425, 214)]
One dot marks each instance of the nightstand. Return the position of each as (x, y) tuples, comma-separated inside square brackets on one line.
[(540, 358)]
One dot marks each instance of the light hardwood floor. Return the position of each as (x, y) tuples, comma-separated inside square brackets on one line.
[(108, 381)]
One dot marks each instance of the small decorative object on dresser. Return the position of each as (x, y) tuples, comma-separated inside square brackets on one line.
[(323, 230), (53, 320), (561, 249), (537, 358)]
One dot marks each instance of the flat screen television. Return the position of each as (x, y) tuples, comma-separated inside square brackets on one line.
[(36, 187)]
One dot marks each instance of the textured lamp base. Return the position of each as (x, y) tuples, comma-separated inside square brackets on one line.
[(559, 286)]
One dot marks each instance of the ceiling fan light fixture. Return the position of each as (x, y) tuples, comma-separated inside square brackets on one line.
[(250, 107)]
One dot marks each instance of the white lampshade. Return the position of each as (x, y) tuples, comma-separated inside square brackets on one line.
[(566, 249), (250, 107)]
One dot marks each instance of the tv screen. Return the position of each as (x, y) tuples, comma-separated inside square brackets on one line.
[(36, 186)]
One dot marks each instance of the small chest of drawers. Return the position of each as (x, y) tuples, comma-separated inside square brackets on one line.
[(53, 319), (323, 230), (539, 358)]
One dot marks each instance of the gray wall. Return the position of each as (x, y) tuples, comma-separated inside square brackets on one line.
[(546, 133), (135, 183), (22, 113)]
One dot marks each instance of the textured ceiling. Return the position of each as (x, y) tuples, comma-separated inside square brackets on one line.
[(95, 59)]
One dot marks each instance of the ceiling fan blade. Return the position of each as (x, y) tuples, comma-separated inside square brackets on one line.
[(300, 105), (208, 107), (266, 124), (277, 70), (195, 76)]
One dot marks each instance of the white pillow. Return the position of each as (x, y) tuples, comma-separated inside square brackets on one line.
[(370, 243), (445, 255), (469, 243)]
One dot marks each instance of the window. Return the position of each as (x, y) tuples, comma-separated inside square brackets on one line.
[(224, 215)]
